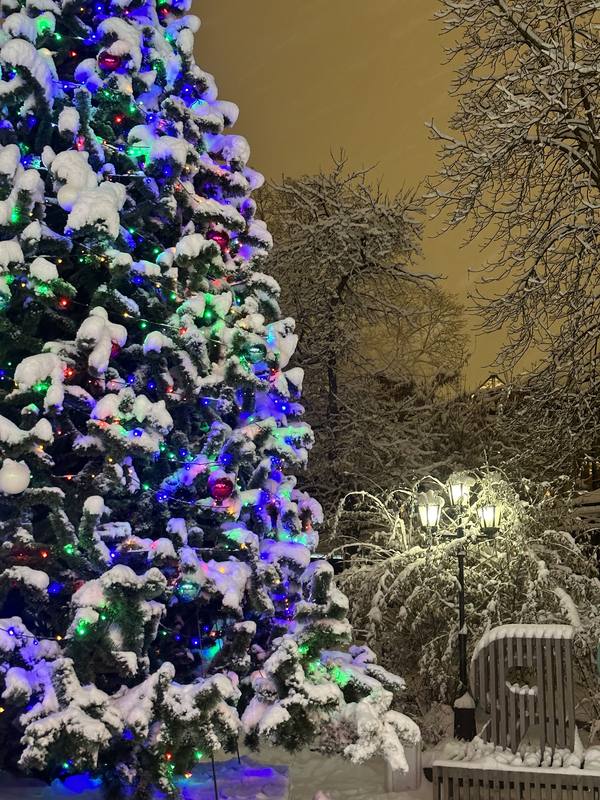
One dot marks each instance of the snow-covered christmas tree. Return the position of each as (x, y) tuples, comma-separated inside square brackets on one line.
[(160, 596)]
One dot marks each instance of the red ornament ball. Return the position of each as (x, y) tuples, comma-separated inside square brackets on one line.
[(221, 488), (221, 238), (272, 509), (115, 349), (108, 61)]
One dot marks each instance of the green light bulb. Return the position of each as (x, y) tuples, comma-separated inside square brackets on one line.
[(43, 25)]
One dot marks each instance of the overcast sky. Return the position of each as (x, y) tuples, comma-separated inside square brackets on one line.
[(318, 75)]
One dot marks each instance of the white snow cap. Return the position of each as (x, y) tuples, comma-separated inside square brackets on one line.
[(100, 334), (159, 146), (99, 206), (10, 253), (94, 505), (88, 203), (29, 181), (143, 410), (35, 578), (12, 434), (43, 270), (72, 169), (42, 367), (156, 341), (68, 120), (20, 53), (523, 631)]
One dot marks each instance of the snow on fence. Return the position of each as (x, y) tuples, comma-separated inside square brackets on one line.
[(522, 677), (543, 652)]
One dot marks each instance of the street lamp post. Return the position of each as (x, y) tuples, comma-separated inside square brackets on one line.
[(429, 506)]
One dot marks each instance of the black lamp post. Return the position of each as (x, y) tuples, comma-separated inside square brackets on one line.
[(429, 506)]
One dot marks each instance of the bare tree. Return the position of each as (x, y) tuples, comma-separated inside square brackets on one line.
[(374, 333), (516, 426), (522, 167)]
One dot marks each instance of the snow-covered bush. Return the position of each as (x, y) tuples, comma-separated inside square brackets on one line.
[(539, 568)]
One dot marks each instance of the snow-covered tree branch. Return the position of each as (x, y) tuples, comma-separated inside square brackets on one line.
[(538, 569)]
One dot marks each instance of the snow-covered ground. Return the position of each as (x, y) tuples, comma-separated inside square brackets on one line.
[(338, 778), (262, 780)]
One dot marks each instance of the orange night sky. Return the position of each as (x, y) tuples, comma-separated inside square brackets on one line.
[(318, 75)]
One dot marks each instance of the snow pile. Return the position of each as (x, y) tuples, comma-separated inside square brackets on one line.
[(21, 181), (98, 335), (35, 370), (19, 53), (78, 192)]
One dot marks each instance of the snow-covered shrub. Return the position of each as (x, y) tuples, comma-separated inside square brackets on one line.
[(540, 568)]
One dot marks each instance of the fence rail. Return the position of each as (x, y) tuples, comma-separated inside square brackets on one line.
[(458, 782)]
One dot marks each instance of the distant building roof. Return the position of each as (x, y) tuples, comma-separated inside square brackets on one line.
[(493, 381)]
